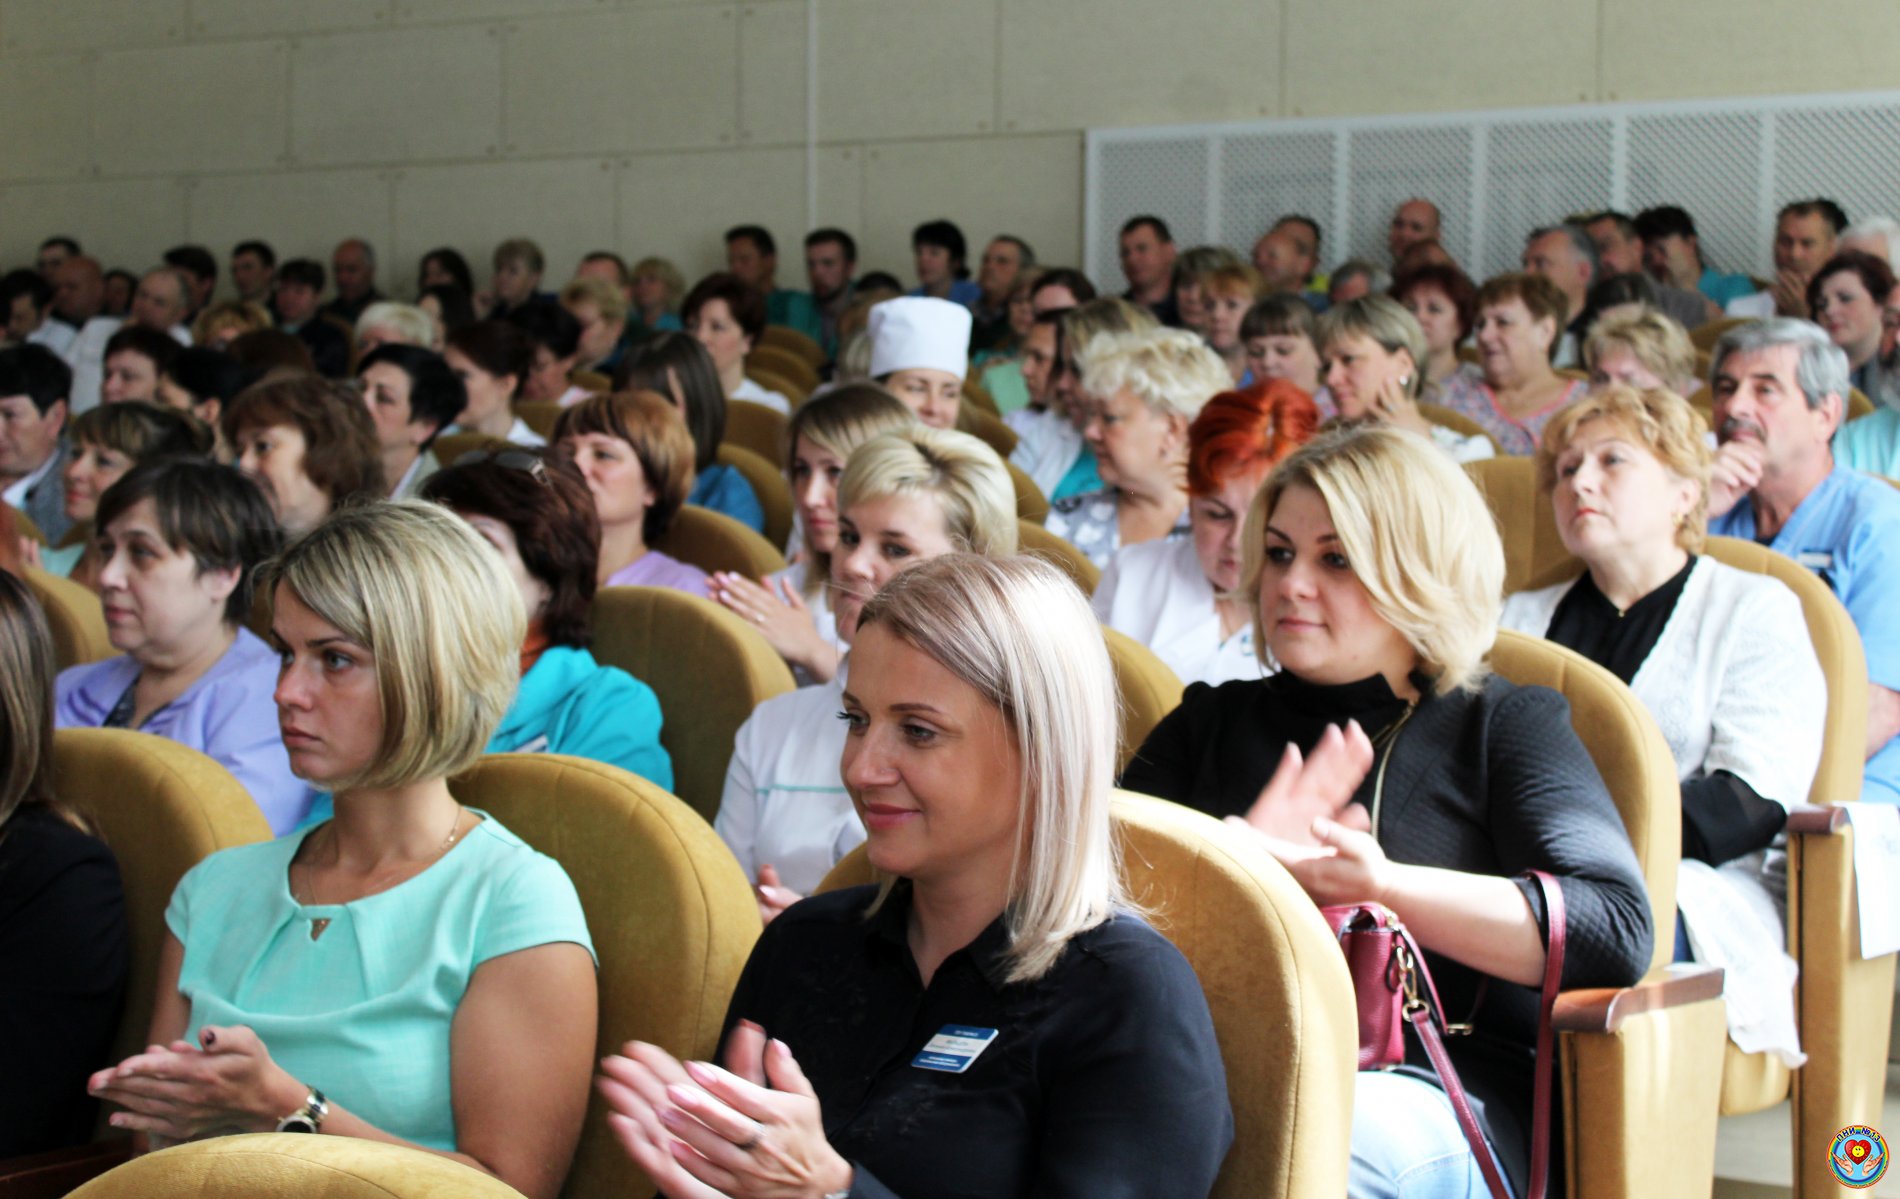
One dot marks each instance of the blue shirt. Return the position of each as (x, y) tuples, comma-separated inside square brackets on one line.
[(1871, 443), (962, 291), (570, 704), (725, 490), (1724, 288), (363, 1012), (1847, 531)]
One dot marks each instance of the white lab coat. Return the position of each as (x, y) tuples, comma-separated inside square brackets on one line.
[(1155, 592)]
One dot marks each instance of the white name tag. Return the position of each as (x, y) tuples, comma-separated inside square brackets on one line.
[(954, 1049), (1816, 559)]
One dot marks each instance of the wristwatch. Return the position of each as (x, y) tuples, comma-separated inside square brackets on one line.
[(309, 1117)]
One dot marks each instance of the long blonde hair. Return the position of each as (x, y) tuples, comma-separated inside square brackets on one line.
[(1017, 630)]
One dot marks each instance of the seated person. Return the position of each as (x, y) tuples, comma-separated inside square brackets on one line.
[(1280, 338), (410, 971), (299, 287), (980, 746), (1371, 349), (492, 358), (536, 512), (1848, 297), (905, 497), (637, 458), (1514, 388), (1376, 572), (178, 542), (555, 335), (920, 351), (308, 444), (34, 385), (1228, 296), (106, 442), (222, 323), (677, 367), (1445, 304), (202, 382), (135, 358), (1642, 349), (792, 607), (63, 944), (1050, 448), (1719, 656), (1140, 392), (389, 323), (727, 316), (1780, 388), (412, 395), (1179, 596)]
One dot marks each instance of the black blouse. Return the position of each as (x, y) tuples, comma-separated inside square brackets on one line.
[(1104, 1078), (63, 963), (1492, 781)]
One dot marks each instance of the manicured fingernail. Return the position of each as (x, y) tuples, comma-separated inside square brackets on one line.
[(671, 1118), (683, 1096), (749, 1024), (208, 1038), (117, 1121), (701, 1073)]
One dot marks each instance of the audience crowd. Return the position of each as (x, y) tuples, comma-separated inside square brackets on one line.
[(344, 543)]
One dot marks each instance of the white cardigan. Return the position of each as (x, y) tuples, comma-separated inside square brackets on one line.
[(1734, 684), (1155, 592)]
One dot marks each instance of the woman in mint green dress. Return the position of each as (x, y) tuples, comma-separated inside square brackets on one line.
[(410, 971)]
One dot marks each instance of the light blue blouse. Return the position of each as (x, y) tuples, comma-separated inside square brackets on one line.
[(363, 1013)]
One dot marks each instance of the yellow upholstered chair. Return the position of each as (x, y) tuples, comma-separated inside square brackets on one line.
[(1276, 985), (784, 337), (1458, 423), (1033, 539), (707, 667), (768, 484), (671, 914), (288, 1163), (975, 393), (450, 447), (1640, 1067), (24, 525), (74, 614), (1147, 688), (538, 415), (714, 541), (785, 364), (757, 428), (1858, 405), (999, 436), (587, 380), (1031, 504), (1704, 336), (794, 394), (1526, 522)]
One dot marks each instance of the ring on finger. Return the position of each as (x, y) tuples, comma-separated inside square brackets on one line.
[(758, 1130)]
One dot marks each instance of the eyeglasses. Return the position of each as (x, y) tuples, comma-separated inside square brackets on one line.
[(512, 459)]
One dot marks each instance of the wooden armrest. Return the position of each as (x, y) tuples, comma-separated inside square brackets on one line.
[(1810, 820), (1604, 1009), (52, 1174)]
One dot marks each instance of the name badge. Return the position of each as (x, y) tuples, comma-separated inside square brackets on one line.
[(1816, 559), (954, 1049)]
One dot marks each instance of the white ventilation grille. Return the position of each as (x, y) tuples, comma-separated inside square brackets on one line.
[(1497, 175)]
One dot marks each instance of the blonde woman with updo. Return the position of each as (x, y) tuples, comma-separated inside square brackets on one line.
[(1384, 762), (904, 498), (1719, 656), (978, 750), (408, 972), (1642, 349)]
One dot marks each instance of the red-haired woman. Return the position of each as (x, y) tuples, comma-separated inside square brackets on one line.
[(1176, 595)]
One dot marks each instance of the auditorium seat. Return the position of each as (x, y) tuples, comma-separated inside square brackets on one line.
[(1031, 504), (999, 436), (768, 485), (708, 668), (1705, 335), (713, 541), (25, 526), (74, 614), (757, 428), (1458, 423), (538, 415), (783, 337), (785, 364), (1276, 985), (587, 380), (1146, 688), (450, 447), (975, 393), (288, 1163), (771, 380), (671, 915), (1035, 540), (1527, 523), (1639, 1067)]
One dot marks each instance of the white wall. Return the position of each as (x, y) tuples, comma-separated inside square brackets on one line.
[(648, 126)]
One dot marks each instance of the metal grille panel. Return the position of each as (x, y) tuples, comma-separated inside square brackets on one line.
[(1497, 175)]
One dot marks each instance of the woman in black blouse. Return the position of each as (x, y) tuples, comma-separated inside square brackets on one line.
[(1383, 763), (63, 953), (992, 1019)]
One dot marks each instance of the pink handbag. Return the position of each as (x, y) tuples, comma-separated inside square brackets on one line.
[(1392, 988)]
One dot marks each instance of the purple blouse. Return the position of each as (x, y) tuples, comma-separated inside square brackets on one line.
[(654, 569), (1465, 391), (227, 715)]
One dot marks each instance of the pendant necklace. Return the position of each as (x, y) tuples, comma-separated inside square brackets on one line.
[(319, 923)]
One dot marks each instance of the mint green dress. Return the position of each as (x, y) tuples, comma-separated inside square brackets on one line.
[(363, 1012)]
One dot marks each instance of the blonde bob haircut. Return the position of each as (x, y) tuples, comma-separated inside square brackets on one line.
[(607, 299), (1171, 370), (1020, 633), (1661, 422), (1418, 536), (970, 483), (417, 587), (1383, 321), (1659, 345)]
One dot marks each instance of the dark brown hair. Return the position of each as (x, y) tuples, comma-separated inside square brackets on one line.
[(207, 510), (652, 426), (341, 454), (546, 505), (26, 684), (742, 300), (1456, 285)]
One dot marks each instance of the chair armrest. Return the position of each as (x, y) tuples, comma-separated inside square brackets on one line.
[(1811, 820), (1604, 1009)]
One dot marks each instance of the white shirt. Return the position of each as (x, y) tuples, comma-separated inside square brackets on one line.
[(54, 335), (1734, 684), (1047, 445), (785, 802), (573, 396), (1462, 448), (1760, 305), (86, 354), (1155, 592), (15, 494), (748, 390)]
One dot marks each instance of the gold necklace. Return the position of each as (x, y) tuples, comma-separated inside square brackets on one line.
[(319, 923)]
